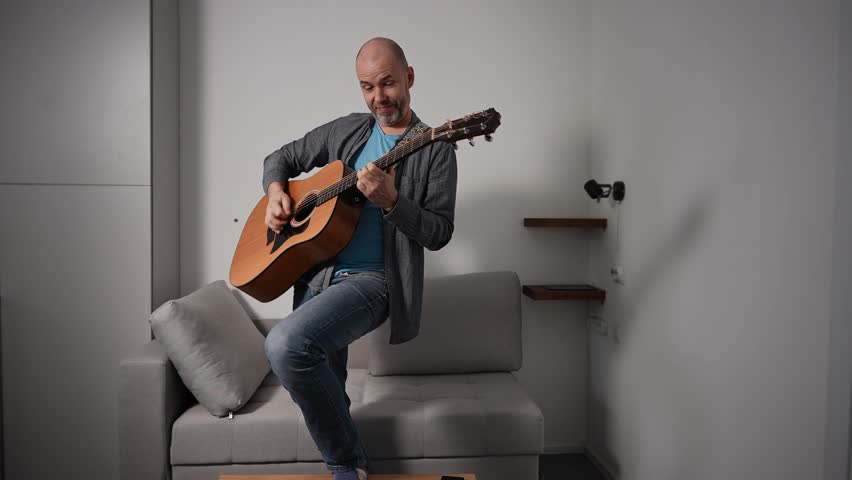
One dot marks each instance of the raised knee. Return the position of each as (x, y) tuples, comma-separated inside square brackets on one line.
[(277, 343), (285, 346)]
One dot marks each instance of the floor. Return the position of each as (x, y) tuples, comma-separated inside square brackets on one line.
[(568, 466)]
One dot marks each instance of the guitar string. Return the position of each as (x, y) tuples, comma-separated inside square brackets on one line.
[(348, 181), (407, 149)]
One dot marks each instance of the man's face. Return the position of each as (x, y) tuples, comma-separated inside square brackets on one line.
[(385, 84)]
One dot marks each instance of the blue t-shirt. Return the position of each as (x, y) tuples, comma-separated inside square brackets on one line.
[(365, 250)]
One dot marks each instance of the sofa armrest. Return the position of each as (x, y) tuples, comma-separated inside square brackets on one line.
[(151, 397)]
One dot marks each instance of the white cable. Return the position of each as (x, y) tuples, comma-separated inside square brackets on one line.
[(617, 234)]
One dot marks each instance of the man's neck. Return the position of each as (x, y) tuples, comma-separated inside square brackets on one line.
[(400, 126)]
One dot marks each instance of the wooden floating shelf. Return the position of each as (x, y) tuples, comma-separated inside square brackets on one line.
[(566, 222), (564, 292)]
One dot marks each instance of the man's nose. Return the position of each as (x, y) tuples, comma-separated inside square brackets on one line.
[(380, 95)]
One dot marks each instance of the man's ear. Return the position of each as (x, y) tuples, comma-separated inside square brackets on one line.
[(410, 76)]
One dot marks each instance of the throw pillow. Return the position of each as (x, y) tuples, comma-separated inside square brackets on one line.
[(217, 350)]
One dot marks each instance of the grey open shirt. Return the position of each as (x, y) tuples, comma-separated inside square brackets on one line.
[(423, 215)]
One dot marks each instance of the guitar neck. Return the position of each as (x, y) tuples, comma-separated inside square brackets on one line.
[(387, 160)]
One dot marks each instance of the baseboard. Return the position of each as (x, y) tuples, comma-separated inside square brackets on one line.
[(557, 449), (601, 465)]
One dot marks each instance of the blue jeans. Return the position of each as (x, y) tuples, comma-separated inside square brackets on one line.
[(308, 351)]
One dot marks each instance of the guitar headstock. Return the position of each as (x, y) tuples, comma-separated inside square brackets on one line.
[(469, 126)]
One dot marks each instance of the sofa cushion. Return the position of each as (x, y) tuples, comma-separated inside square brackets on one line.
[(413, 416), (213, 344), (470, 323)]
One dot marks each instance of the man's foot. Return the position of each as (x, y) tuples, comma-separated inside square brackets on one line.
[(356, 474)]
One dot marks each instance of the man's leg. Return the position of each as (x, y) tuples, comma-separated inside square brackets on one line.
[(301, 294), (304, 351), (338, 361)]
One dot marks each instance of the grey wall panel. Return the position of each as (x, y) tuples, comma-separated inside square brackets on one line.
[(2, 436), (75, 267), (165, 164), (75, 92), (837, 444)]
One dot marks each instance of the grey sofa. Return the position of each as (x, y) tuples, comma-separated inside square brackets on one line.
[(445, 402)]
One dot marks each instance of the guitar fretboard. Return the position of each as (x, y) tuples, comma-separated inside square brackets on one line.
[(387, 160)]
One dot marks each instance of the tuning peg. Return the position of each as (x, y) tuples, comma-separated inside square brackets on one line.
[(455, 147), (470, 141), (488, 138)]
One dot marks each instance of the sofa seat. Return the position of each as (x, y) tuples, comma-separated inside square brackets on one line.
[(398, 416)]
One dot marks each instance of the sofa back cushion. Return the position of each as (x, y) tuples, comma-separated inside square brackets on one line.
[(470, 323)]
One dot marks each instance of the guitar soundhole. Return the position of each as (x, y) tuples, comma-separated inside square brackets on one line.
[(304, 209)]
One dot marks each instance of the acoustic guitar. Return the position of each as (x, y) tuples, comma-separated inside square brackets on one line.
[(326, 208)]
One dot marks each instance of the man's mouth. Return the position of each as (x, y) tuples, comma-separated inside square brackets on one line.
[(385, 108)]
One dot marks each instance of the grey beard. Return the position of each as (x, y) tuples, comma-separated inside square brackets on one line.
[(388, 120)]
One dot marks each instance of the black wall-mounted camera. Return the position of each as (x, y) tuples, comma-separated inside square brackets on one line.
[(602, 190)]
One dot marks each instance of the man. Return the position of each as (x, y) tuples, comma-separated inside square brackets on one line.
[(379, 274)]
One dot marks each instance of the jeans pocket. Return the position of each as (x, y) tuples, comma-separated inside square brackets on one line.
[(383, 313)]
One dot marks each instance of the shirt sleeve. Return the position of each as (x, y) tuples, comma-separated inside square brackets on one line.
[(297, 157), (430, 223)]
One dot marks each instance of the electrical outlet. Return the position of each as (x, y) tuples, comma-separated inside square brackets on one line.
[(617, 274), (616, 334), (599, 325)]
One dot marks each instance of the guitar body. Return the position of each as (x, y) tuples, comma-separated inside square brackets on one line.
[(266, 265)]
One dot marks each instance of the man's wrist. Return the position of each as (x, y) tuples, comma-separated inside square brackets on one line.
[(275, 187), (393, 203)]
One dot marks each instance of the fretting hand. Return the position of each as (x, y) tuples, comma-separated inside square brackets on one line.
[(378, 186)]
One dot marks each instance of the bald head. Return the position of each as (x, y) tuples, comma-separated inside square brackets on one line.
[(378, 47), (385, 78)]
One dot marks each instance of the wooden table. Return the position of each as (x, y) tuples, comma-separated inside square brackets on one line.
[(372, 476)]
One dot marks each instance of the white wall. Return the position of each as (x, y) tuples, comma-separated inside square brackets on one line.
[(721, 117), (253, 79)]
